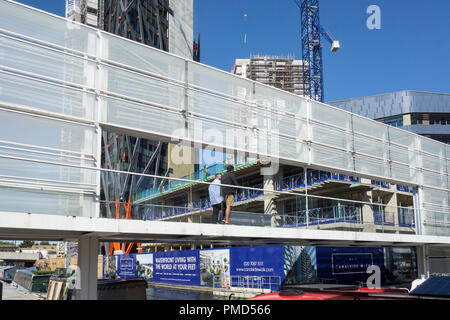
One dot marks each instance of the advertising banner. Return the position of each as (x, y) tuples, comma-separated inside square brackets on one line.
[(177, 267), (257, 267), (126, 266), (261, 266), (348, 265), (215, 268)]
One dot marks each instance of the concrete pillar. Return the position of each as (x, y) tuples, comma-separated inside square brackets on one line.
[(270, 204), (192, 197), (422, 261), (269, 197), (367, 213), (392, 211), (88, 264)]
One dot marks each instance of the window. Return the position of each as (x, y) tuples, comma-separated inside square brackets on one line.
[(396, 121), (416, 118)]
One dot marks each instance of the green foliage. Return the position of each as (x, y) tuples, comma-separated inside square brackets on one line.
[(26, 244)]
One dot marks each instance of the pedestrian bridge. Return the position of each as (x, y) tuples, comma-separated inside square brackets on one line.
[(62, 85)]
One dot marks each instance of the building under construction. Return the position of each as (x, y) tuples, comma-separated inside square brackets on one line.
[(163, 24), (284, 73)]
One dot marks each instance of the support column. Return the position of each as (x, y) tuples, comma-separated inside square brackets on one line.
[(392, 209), (192, 197), (367, 213), (418, 193), (88, 264), (422, 261), (270, 204)]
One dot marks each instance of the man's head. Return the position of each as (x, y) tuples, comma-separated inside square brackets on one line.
[(219, 176), (230, 168)]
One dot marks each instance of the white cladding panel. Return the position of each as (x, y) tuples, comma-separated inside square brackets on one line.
[(55, 71)]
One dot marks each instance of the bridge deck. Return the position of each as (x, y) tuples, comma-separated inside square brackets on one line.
[(15, 226)]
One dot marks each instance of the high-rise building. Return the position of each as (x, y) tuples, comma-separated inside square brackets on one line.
[(163, 24), (284, 73), (424, 113)]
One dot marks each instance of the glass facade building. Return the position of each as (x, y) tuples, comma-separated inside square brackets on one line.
[(424, 113)]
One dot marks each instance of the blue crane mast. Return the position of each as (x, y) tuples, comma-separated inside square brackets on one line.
[(311, 34)]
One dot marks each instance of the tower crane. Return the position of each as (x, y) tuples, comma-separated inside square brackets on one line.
[(311, 34)]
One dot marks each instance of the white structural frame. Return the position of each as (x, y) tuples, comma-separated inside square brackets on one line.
[(99, 80), (62, 83)]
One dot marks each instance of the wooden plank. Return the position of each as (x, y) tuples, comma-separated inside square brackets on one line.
[(51, 288)]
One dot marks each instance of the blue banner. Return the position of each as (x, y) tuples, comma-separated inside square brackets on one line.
[(126, 266), (253, 267), (348, 265), (177, 267), (261, 264)]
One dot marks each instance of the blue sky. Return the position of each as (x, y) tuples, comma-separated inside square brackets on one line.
[(411, 51)]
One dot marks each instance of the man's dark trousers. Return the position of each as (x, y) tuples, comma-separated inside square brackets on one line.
[(217, 215)]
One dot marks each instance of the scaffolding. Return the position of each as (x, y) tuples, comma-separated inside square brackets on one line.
[(284, 73), (145, 21)]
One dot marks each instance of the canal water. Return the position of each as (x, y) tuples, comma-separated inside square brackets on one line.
[(156, 293)]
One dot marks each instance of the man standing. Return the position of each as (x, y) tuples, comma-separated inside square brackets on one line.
[(229, 178), (216, 199)]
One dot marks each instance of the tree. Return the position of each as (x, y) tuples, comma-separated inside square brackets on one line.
[(26, 244)]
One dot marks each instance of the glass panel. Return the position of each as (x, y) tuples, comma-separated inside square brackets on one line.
[(142, 57), (16, 90), (294, 150), (431, 146), (432, 163), (330, 136), (38, 202), (280, 100), (49, 63), (404, 173), (331, 157), (141, 87), (403, 155), (371, 166), (290, 126), (50, 174), (402, 137), (370, 146), (433, 179), (434, 196), (43, 132), (142, 117), (219, 81), (330, 115), (219, 108), (370, 127), (53, 29)]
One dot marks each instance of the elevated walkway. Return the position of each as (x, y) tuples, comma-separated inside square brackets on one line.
[(16, 226)]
